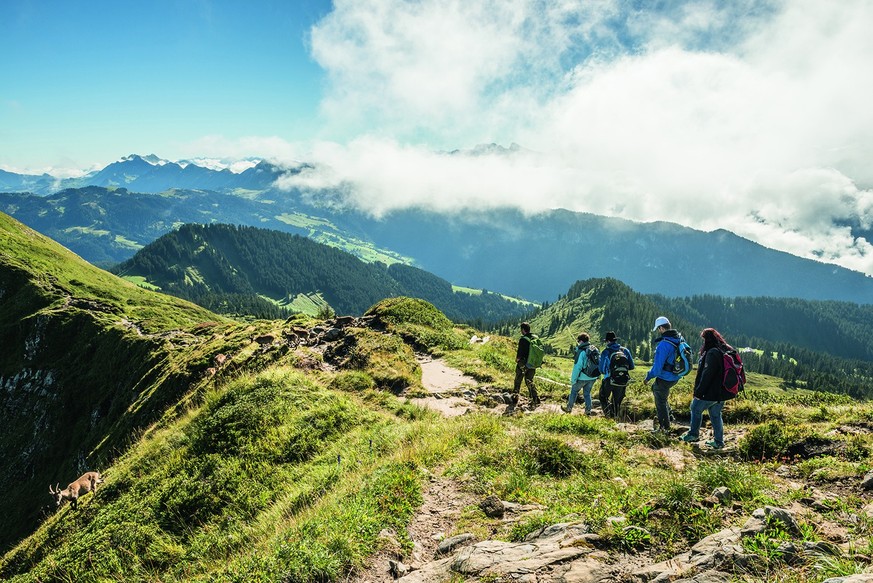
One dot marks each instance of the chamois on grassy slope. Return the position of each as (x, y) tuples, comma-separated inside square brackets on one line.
[(87, 482)]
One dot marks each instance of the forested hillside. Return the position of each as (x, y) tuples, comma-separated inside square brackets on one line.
[(815, 344), (838, 328), (226, 268)]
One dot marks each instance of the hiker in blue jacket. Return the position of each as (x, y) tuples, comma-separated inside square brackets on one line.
[(661, 370), (578, 379), (608, 389)]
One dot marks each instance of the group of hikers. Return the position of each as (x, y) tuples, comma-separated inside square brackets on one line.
[(672, 360)]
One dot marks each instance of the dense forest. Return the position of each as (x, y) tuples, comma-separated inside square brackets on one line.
[(226, 268), (821, 345)]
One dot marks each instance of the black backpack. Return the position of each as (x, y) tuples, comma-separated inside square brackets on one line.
[(592, 369), (619, 369)]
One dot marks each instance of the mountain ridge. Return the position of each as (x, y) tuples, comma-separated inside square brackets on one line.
[(493, 246), (88, 362), (198, 262)]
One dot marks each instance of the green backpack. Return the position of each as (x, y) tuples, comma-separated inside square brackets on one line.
[(536, 353)]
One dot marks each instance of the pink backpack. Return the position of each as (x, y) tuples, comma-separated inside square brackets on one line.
[(734, 375)]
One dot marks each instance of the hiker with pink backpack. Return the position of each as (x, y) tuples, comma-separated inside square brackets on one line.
[(720, 377)]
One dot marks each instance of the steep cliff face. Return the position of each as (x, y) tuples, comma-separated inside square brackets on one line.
[(76, 381), (78, 371)]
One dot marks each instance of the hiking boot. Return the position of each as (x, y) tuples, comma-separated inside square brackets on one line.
[(688, 438), (514, 399), (714, 445), (589, 413), (565, 409)]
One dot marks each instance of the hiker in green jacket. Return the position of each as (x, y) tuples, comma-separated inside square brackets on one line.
[(522, 370)]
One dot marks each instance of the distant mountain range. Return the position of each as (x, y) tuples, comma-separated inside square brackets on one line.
[(151, 174), (137, 199)]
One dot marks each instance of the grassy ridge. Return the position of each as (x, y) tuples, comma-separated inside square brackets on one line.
[(55, 275), (238, 477), (88, 361), (287, 475)]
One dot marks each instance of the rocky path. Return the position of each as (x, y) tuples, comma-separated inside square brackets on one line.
[(446, 387), (443, 503), (570, 552)]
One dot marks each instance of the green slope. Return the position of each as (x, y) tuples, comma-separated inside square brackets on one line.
[(294, 472), (87, 361), (222, 266)]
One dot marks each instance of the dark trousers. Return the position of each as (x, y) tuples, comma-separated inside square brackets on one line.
[(661, 392), (523, 372), (611, 408)]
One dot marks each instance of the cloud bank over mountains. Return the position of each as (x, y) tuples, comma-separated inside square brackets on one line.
[(753, 117)]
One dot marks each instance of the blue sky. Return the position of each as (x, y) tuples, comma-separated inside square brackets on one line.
[(749, 115), (85, 82)]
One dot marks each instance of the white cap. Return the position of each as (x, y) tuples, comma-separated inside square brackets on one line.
[(660, 321)]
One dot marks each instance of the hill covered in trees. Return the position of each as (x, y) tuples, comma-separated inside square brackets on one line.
[(822, 345), (238, 269)]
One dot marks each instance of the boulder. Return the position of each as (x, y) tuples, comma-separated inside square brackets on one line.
[(332, 335), (397, 569), (704, 562), (511, 559), (589, 570), (540, 558), (759, 520), (707, 577), (492, 506), (815, 446), (344, 321), (453, 542), (723, 494)]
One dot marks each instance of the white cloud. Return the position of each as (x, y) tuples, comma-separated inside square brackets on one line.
[(424, 178), (58, 172), (238, 149), (752, 117), (235, 166)]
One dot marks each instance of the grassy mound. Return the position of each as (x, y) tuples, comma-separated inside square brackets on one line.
[(420, 321)]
